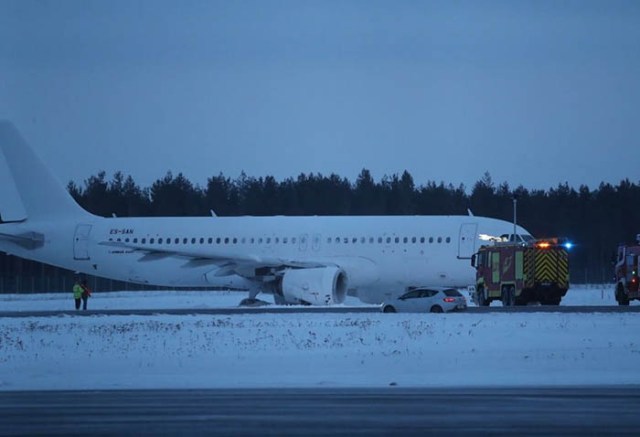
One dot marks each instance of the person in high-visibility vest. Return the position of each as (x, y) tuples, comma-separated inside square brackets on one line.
[(77, 293), (86, 292)]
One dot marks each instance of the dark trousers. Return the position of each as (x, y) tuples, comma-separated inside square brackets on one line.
[(78, 303), (84, 302)]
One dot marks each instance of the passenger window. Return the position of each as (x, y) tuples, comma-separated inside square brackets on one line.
[(354, 240), (379, 240), (135, 240), (430, 239), (421, 239), (226, 240), (159, 240), (151, 241), (413, 239), (371, 240), (168, 240), (210, 240), (193, 241), (448, 239), (405, 240), (144, 241), (217, 240), (235, 240)]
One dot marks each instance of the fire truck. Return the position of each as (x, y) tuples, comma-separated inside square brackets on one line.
[(517, 273), (626, 272)]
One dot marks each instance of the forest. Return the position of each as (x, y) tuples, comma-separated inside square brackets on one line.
[(595, 220)]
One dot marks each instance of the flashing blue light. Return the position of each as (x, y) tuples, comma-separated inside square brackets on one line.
[(568, 245)]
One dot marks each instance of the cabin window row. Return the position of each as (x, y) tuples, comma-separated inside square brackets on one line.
[(285, 240)]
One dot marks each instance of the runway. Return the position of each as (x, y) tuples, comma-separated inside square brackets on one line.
[(390, 411), (316, 310)]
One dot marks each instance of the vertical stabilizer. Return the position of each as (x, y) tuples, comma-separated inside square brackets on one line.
[(42, 195)]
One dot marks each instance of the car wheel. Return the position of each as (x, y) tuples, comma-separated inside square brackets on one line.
[(389, 309), (436, 309)]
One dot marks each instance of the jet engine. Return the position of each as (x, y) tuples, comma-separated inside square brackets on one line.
[(315, 286)]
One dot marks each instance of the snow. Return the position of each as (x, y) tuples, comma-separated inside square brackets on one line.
[(310, 349)]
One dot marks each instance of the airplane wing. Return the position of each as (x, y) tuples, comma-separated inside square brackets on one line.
[(228, 264)]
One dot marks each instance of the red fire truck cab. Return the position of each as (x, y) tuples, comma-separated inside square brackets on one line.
[(626, 272)]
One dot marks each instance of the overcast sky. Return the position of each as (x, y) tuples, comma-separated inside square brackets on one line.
[(537, 93)]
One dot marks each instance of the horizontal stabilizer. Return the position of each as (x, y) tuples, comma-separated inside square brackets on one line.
[(27, 240)]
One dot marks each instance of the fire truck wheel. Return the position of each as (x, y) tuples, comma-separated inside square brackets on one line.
[(622, 300), (482, 299), (508, 296), (621, 297)]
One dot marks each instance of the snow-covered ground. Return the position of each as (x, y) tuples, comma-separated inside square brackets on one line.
[(310, 350)]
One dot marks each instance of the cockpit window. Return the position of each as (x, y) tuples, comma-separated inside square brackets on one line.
[(522, 238)]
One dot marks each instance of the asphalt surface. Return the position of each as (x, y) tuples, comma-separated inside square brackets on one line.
[(389, 411), (324, 310)]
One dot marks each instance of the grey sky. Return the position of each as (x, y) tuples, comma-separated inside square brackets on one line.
[(536, 93)]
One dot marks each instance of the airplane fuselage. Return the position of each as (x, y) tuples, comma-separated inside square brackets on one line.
[(381, 255)]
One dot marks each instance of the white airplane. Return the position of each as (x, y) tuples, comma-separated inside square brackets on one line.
[(313, 260)]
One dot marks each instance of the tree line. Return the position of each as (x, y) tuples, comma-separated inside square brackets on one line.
[(595, 220)]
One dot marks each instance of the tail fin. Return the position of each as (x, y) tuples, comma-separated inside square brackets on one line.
[(42, 195)]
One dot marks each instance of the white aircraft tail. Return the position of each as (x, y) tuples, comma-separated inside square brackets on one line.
[(29, 189)]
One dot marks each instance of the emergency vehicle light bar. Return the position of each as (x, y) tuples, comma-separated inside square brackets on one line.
[(552, 242)]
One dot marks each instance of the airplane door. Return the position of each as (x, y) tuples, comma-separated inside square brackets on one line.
[(81, 242), (467, 240)]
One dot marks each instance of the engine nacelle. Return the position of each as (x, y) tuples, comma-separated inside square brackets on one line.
[(316, 286)]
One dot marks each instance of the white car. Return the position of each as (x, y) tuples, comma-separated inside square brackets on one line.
[(427, 300)]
